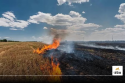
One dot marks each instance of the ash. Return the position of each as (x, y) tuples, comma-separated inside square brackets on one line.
[(78, 62), (75, 62)]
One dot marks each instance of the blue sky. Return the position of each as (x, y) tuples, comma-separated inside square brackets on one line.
[(30, 20)]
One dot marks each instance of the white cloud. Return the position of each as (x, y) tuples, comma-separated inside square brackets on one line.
[(73, 24), (45, 39), (33, 37), (9, 15), (14, 29), (88, 26), (75, 35), (71, 20), (60, 2), (120, 26), (7, 37), (121, 10), (9, 20), (74, 14), (118, 32), (121, 15), (106, 34), (40, 17), (45, 28), (83, 12)]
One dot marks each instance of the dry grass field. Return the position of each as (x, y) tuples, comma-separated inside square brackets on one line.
[(17, 58)]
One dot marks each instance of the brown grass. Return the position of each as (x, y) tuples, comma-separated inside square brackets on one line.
[(17, 58)]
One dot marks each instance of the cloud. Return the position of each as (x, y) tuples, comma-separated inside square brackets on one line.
[(121, 15), (9, 20), (74, 14), (121, 10), (106, 34), (73, 24), (120, 26), (6, 37), (75, 31), (60, 2), (83, 12), (118, 32), (75, 35), (33, 37), (88, 26), (14, 29), (45, 28), (90, 4), (76, 25), (71, 20), (70, 35), (45, 39)]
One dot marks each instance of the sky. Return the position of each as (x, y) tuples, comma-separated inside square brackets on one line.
[(88, 20)]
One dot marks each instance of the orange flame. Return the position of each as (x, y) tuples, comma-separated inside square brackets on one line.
[(54, 45), (55, 71)]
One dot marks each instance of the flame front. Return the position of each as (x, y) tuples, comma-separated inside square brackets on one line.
[(54, 45), (55, 71)]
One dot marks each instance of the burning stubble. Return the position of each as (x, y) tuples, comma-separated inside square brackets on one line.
[(54, 45), (58, 36), (55, 71)]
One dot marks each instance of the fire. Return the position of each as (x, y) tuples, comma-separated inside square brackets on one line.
[(54, 45), (55, 68), (55, 71)]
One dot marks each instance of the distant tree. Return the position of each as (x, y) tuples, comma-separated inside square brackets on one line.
[(4, 40)]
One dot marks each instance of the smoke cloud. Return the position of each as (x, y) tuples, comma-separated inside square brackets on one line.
[(58, 33)]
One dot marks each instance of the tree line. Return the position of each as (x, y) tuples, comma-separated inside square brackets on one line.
[(5, 40)]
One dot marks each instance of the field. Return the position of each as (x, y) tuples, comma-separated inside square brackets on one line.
[(17, 58)]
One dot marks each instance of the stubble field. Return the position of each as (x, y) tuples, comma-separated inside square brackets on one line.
[(17, 58)]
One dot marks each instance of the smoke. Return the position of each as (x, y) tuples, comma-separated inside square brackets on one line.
[(103, 47), (58, 33), (67, 47), (47, 39), (62, 35), (53, 34)]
